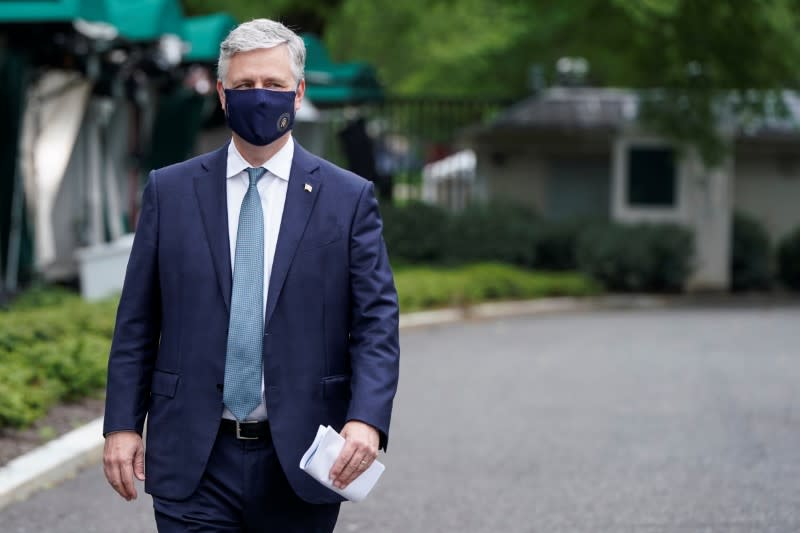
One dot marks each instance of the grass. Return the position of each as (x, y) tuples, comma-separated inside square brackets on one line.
[(422, 288)]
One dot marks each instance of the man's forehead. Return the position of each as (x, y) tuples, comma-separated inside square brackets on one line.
[(276, 51), (263, 62)]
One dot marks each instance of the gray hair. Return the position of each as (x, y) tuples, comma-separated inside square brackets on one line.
[(258, 34)]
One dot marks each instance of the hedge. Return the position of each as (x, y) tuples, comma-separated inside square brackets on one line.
[(501, 233), (751, 255), (789, 260), (414, 233), (654, 257), (643, 257), (430, 287), (53, 348)]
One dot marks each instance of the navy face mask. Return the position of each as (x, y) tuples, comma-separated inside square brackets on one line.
[(259, 116)]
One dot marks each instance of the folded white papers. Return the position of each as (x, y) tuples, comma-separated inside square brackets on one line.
[(320, 456)]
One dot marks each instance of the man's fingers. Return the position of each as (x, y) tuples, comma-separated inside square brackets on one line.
[(126, 470), (116, 481), (351, 471), (358, 453), (138, 464), (111, 471), (360, 461), (123, 458), (344, 458)]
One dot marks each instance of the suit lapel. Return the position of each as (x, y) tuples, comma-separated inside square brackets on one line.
[(210, 187), (299, 204)]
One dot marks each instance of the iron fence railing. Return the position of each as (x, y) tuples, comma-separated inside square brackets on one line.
[(391, 142)]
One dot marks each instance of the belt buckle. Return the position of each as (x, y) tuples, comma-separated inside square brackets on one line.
[(239, 432)]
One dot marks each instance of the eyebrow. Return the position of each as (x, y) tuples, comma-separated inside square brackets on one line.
[(271, 79)]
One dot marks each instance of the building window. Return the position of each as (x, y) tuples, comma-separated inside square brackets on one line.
[(651, 177)]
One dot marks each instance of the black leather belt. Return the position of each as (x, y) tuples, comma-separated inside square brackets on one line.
[(245, 430)]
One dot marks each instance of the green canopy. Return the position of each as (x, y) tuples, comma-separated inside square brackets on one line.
[(143, 20), (204, 35), (330, 83), (39, 11), (136, 20)]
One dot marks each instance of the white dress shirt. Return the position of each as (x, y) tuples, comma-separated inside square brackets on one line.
[(272, 189)]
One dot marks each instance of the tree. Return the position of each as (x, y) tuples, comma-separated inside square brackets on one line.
[(686, 55), (689, 57), (302, 15)]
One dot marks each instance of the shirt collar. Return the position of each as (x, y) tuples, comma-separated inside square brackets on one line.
[(279, 165)]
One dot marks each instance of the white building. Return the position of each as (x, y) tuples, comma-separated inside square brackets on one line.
[(582, 153)]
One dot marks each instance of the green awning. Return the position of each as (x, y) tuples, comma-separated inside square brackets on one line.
[(204, 35), (21, 11), (144, 20), (341, 94), (333, 83), (136, 20)]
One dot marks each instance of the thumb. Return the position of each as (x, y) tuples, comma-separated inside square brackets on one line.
[(138, 463)]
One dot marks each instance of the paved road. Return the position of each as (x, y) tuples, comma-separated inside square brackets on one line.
[(658, 421)]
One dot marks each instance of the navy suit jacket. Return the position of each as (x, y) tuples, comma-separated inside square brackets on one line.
[(331, 347)]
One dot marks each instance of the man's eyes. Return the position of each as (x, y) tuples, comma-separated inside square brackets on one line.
[(267, 85)]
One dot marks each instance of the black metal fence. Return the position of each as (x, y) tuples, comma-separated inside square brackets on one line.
[(390, 142)]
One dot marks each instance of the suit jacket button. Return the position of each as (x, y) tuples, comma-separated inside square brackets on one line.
[(219, 387)]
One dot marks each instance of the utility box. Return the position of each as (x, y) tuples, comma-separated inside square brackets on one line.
[(102, 267)]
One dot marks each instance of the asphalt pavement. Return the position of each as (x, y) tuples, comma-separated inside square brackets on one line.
[(683, 420)]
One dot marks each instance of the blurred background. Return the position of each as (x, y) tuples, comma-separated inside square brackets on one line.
[(529, 122), (521, 149)]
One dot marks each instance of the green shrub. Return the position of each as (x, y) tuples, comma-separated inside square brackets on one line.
[(41, 296), (415, 232), (645, 257), (502, 233), (26, 394), (751, 256), (789, 260), (556, 242), (53, 347), (428, 287)]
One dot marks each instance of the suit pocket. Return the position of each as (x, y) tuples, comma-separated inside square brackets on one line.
[(314, 241), (336, 388), (164, 383)]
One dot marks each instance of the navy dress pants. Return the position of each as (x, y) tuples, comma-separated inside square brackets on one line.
[(244, 489)]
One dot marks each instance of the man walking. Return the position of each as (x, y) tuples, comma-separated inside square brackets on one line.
[(258, 304)]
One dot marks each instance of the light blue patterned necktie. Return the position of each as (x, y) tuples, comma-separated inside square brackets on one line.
[(243, 359)]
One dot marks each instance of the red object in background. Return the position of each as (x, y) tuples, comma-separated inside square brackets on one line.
[(438, 151)]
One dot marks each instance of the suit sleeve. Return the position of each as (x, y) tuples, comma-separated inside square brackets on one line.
[(374, 339), (138, 326)]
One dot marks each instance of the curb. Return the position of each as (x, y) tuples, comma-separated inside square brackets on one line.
[(51, 463), (65, 456), (541, 306)]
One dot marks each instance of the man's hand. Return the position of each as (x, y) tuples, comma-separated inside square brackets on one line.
[(359, 451), (123, 458)]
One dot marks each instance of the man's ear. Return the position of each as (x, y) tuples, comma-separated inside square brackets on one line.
[(221, 94), (301, 92)]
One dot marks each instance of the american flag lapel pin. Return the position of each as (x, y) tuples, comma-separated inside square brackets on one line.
[(308, 188)]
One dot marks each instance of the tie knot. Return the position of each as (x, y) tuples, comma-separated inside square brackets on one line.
[(255, 174)]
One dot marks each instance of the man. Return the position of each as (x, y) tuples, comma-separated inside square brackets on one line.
[(258, 304)]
